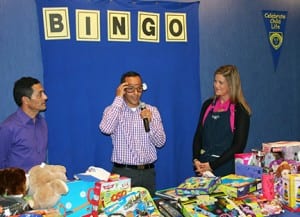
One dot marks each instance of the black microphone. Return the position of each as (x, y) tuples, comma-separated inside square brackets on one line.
[(145, 120)]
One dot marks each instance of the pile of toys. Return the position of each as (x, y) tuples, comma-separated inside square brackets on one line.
[(278, 166), (231, 195), (265, 183), (94, 193)]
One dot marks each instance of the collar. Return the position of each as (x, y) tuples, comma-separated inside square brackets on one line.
[(25, 119), (221, 106)]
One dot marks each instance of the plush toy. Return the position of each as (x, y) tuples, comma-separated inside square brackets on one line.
[(13, 182), (46, 185)]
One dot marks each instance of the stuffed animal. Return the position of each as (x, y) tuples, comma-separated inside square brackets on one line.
[(13, 182), (46, 185)]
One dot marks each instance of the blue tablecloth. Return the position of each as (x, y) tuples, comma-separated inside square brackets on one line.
[(290, 214)]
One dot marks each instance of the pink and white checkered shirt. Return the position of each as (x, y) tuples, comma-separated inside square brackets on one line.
[(131, 144)]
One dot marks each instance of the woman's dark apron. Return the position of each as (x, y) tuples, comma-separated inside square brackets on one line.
[(217, 137)]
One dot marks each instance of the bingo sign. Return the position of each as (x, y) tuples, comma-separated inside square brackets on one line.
[(275, 26)]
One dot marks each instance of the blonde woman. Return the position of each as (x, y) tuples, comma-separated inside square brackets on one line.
[(223, 126)]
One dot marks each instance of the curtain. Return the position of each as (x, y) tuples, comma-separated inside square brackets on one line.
[(82, 70)]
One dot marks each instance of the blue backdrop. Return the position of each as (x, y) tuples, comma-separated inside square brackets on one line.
[(80, 78)]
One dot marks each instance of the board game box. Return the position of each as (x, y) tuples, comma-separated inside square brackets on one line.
[(198, 185), (235, 185)]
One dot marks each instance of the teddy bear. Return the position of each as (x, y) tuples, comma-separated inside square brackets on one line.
[(46, 184), (13, 182)]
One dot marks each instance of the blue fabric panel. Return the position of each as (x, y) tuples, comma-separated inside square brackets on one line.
[(81, 78)]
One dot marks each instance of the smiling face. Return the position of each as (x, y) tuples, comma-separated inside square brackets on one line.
[(134, 91), (221, 87)]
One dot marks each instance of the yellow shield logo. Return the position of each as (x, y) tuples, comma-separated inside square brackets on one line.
[(276, 39)]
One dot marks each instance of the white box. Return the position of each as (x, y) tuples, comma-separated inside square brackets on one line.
[(287, 150)]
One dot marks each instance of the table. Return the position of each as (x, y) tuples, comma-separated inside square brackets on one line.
[(289, 214)]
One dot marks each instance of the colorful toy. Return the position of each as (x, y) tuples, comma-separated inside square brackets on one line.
[(285, 150), (236, 185), (268, 186), (76, 202), (292, 193), (198, 185), (136, 203)]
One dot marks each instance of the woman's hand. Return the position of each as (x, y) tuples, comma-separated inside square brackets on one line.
[(200, 167)]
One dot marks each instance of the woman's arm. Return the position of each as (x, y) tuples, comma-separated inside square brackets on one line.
[(197, 141)]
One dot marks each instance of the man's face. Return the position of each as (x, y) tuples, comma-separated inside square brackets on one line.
[(133, 92), (37, 101)]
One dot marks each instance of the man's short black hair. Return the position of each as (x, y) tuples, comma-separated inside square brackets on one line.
[(23, 87), (129, 74)]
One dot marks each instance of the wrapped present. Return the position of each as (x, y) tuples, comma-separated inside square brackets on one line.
[(198, 185)]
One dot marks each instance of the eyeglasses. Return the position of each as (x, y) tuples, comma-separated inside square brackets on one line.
[(131, 89)]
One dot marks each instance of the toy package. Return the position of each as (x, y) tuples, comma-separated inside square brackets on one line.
[(212, 207), (12, 206), (107, 192), (198, 185), (137, 202), (42, 213), (249, 205), (169, 194), (290, 193), (193, 207), (285, 150), (260, 205), (75, 203), (248, 164), (235, 185), (168, 208)]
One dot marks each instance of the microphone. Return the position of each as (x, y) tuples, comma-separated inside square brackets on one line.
[(145, 120)]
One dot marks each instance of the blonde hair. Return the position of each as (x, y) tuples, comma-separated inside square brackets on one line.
[(231, 74)]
